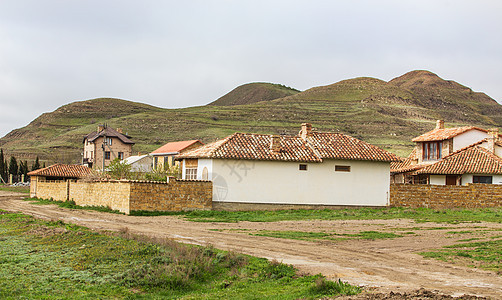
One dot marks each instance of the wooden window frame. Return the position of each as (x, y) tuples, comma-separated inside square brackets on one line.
[(432, 150), (108, 155), (191, 173), (302, 167)]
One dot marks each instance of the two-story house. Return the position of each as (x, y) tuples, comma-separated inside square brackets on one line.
[(104, 145), (451, 156)]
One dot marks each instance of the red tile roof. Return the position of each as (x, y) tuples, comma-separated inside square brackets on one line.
[(61, 170), (470, 160), (315, 148), (444, 134), (108, 132), (175, 147), (341, 146)]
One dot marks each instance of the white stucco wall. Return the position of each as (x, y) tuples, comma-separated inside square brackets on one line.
[(283, 183), (437, 179), (468, 138)]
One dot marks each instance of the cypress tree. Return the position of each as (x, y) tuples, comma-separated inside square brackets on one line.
[(36, 165), (13, 167), (2, 165)]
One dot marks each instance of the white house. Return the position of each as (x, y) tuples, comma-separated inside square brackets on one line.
[(452, 156), (140, 163), (313, 168)]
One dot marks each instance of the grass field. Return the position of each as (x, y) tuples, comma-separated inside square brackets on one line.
[(418, 214), (22, 189), (53, 260)]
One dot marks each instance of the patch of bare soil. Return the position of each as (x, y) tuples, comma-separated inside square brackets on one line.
[(387, 268)]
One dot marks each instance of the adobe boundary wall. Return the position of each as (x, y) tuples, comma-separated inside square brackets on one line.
[(127, 196), (472, 195)]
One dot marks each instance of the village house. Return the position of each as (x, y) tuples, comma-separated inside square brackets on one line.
[(163, 157), (452, 156), (251, 171), (105, 145), (57, 172)]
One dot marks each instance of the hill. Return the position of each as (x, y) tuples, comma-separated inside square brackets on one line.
[(254, 92), (387, 114)]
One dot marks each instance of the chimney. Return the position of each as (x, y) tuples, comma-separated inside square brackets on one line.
[(493, 137), (440, 124), (275, 143), (306, 130), (101, 128), (119, 130)]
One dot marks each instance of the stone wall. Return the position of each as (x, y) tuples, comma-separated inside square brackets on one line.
[(127, 196), (55, 190), (446, 196), (111, 194), (176, 195)]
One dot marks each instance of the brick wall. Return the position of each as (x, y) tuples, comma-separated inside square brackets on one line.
[(126, 196), (446, 196)]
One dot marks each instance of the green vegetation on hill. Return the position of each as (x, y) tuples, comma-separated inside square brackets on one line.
[(387, 114), (254, 92)]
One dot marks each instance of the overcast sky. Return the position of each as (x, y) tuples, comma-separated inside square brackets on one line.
[(184, 53)]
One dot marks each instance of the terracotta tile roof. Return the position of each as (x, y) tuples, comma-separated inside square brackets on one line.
[(108, 132), (341, 146), (175, 147), (256, 147), (470, 160), (444, 134), (317, 147), (61, 170), (407, 164)]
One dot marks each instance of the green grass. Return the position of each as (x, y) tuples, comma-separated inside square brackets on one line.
[(312, 236), (451, 216), (71, 205), (17, 189), (484, 254), (54, 260)]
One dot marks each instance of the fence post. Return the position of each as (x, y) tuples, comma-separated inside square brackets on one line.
[(10, 179), (22, 177)]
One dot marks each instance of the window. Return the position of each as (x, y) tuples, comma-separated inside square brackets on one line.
[(108, 141), (342, 168), (431, 150), (302, 167), (121, 155), (107, 154), (191, 173), (155, 161), (482, 179)]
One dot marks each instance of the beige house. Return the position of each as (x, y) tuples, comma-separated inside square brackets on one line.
[(163, 157), (255, 171), (105, 145), (452, 156)]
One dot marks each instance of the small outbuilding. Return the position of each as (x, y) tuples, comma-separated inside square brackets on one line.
[(57, 172)]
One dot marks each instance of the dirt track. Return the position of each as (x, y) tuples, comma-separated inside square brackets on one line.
[(381, 265)]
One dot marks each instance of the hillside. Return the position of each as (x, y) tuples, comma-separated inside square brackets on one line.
[(254, 92), (388, 114)]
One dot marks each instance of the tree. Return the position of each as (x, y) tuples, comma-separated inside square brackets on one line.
[(3, 166), (119, 169), (36, 165), (13, 168)]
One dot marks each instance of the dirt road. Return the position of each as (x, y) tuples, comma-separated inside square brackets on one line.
[(384, 265)]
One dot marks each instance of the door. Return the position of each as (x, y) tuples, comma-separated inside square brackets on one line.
[(451, 180)]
